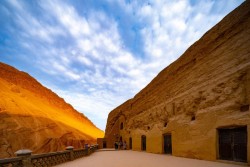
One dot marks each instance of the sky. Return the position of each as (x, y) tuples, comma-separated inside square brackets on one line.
[(96, 54)]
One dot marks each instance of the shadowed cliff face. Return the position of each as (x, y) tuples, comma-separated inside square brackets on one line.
[(33, 117), (214, 72)]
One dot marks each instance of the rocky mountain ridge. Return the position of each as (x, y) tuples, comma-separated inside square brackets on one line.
[(27, 82), (33, 117)]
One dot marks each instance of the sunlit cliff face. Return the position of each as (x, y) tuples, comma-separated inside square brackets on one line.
[(31, 116)]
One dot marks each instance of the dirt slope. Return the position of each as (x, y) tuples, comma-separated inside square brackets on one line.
[(33, 117)]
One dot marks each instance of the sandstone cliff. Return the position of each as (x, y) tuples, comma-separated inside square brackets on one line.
[(33, 117), (212, 75)]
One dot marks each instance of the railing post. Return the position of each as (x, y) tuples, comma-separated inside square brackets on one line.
[(87, 148), (26, 157), (71, 148)]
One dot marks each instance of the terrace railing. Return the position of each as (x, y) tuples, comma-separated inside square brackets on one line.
[(25, 158)]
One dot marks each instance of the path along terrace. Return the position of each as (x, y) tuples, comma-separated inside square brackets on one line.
[(127, 158)]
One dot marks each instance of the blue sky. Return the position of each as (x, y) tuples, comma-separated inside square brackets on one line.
[(98, 54)]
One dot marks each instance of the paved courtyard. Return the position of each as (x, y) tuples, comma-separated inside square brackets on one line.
[(139, 159)]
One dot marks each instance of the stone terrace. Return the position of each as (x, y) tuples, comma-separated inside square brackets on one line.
[(139, 159)]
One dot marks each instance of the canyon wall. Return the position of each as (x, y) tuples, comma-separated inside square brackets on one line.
[(205, 90)]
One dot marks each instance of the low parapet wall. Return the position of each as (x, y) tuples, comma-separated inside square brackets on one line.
[(26, 159)]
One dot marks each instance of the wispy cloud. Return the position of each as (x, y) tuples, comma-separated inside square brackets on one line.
[(33, 27), (88, 57)]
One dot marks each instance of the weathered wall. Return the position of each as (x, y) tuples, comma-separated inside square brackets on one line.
[(210, 81), (100, 142), (116, 132)]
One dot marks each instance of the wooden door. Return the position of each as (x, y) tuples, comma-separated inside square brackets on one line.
[(233, 144)]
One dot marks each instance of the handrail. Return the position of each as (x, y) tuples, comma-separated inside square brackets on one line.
[(25, 159), (15, 162)]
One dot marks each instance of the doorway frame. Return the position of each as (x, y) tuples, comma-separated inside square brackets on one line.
[(165, 134)]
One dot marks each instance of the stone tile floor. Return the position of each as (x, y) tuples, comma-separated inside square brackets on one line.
[(129, 158)]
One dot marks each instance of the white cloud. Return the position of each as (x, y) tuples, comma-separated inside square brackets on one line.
[(84, 60), (16, 4), (96, 106), (34, 28), (75, 24), (89, 51)]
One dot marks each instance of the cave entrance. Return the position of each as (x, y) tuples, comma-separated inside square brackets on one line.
[(143, 143), (167, 144), (233, 144)]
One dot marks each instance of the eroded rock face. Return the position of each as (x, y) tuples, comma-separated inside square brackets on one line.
[(208, 87), (33, 117)]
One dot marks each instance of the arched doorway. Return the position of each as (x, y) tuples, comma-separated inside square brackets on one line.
[(121, 126), (143, 143)]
